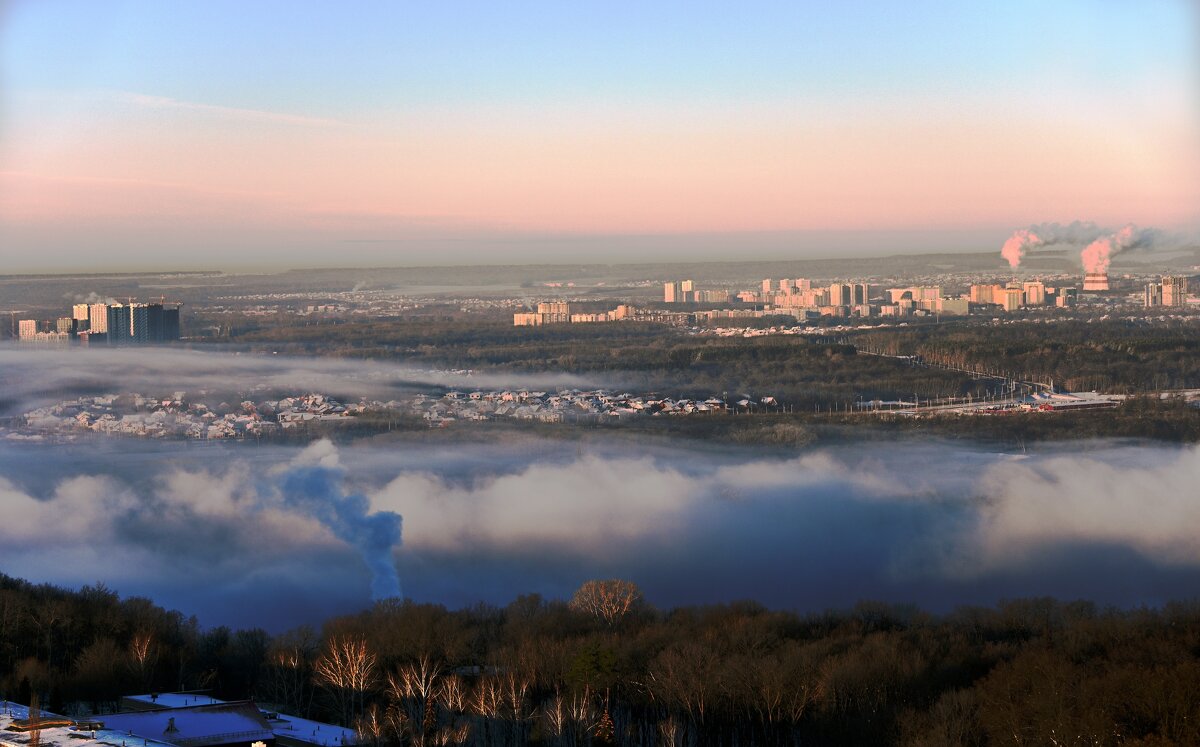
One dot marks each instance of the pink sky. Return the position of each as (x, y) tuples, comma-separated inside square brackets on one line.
[(117, 164)]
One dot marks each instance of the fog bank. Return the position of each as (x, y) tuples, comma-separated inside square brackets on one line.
[(226, 531)]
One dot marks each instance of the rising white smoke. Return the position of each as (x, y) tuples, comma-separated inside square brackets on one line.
[(1099, 244), (1020, 242), (1097, 256)]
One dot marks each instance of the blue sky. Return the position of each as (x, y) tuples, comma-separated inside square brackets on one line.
[(363, 55)]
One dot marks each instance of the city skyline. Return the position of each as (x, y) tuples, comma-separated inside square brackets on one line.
[(224, 136)]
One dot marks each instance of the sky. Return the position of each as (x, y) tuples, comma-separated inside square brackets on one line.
[(202, 135)]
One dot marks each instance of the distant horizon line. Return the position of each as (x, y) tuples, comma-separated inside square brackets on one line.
[(257, 270)]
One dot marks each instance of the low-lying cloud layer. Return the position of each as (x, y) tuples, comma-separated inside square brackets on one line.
[(239, 535), (32, 377)]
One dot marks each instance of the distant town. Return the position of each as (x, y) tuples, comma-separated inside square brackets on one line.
[(111, 323), (801, 299)]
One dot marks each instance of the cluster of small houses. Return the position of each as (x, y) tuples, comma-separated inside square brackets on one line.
[(175, 416), (568, 405)]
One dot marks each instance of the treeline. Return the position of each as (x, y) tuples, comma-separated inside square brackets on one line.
[(606, 668), (806, 373), (1140, 417), (1117, 356), (81, 650)]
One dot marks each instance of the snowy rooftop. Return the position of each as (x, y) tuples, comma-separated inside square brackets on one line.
[(173, 700), (195, 726), (292, 728), (65, 736)]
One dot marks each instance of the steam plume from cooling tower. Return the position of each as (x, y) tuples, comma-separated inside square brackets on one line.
[(1021, 241), (1097, 255), (1099, 244)]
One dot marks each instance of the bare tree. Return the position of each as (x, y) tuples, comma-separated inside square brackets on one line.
[(571, 721), (453, 694), (34, 721), (668, 731), (143, 655), (396, 722), (347, 667), (417, 686), (487, 698), (682, 677), (371, 726), (515, 690), (609, 600), (289, 675), (555, 715)]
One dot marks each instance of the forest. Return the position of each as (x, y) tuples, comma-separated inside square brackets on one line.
[(1116, 356), (606, 667), (644, 357), (819, 380)]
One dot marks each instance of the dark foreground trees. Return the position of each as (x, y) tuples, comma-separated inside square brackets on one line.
[(1028, 672)]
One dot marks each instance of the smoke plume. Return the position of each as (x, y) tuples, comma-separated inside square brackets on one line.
[(1097, 256), (313, 486), (1099, 244), (90, 298), (1021, 241), (1076, 233)]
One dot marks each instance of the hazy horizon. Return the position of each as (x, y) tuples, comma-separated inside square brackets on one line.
[(245, 137), (679, 254)]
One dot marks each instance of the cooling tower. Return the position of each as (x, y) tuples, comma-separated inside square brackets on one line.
[(1095, 281)]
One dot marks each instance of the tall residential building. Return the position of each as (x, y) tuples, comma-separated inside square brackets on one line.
[(1174, 290), (65, 325), (118, 324), (987, 294), (841, 294), (554, 312), (146, 323), (170, 324), (766, 285), (673, 292), (98, 318), (687, 286), (802, 284), (27, 328), (1035, 293), (1013, 299), (916, 293), (861, 293), (1154, 294), (153, 322), (548, 312), (80, 312)]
